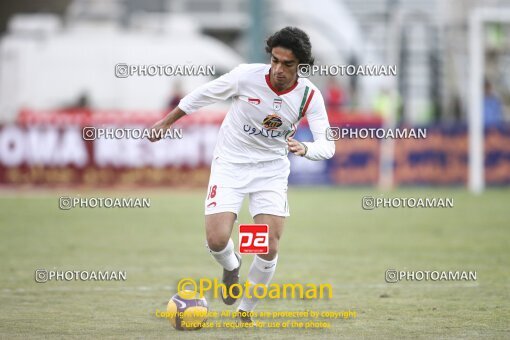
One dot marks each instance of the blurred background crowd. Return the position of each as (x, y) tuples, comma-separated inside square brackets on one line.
[(58, 57)]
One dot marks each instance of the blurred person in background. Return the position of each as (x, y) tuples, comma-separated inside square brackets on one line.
[(384, 105), (334, 97), (492, 109), (175, 95)]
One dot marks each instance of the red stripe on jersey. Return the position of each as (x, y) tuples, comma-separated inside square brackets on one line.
[(279, 93), (308, 102)]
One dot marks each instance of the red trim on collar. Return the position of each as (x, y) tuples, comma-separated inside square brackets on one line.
[(279, 93)]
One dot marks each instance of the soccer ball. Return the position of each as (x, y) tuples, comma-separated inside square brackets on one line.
[(187, 311)]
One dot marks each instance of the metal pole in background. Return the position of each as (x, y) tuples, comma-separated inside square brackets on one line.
[(475, 112), (478, 18), (257, 31), (387, 146)]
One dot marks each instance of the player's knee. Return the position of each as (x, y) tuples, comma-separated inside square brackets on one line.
[(216, 243), (273, 251), (270, 256)]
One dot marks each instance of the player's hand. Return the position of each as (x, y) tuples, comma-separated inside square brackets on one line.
[(158, 130), (296, 147)]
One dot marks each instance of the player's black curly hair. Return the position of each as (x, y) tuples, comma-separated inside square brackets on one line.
[(295, 40)]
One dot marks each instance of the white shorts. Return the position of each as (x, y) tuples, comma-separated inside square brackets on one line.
[(264, 182)]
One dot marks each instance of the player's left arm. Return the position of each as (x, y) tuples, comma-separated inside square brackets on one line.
[(321, 148)]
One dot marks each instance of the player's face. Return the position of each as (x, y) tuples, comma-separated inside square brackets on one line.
[(283, 68)]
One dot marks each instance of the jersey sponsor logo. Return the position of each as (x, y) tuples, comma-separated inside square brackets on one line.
[(291, 132), (272, 122), (277, 104), (254, 101), (253, 131), (253, 238)]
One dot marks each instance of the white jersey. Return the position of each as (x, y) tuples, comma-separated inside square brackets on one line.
[(261, 118)]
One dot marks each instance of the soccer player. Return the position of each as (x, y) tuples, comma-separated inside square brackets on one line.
[(250, 157)]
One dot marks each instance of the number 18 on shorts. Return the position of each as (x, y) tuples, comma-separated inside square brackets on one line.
[(253, 238)]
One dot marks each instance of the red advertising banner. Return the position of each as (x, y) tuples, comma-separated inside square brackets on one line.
[(52, 149), (59, 155)]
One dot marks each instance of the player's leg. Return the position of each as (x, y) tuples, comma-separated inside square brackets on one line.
[(222, 205), (218, 228), (275, 224), (268, 205), (264, 265)]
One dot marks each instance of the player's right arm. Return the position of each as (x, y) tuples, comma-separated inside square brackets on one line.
[(219, 89), (166, 123)]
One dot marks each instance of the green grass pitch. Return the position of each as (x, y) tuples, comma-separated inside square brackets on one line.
[(327, 239)]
